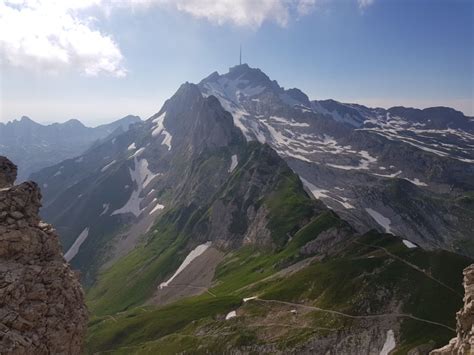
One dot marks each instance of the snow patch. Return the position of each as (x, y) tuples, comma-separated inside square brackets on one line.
[(233, 163), (74, 249), (250, 298), (390, 175), (364, 163), (292, 123), (142, 176), (156, 208), (106, 207), (230, 315), (159, 129), (132, 146), (417, 182), (380, 219), (191, 256), (138, 152), (321, 193), (108, 165), (409, 244), (389, 343)]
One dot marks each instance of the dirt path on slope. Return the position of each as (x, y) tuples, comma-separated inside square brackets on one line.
[(373, 316), (413, 266)]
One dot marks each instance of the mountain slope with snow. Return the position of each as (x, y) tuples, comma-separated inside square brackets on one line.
[(359, 158), (194, 224)]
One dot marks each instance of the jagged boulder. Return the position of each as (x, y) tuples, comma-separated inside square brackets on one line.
[(42, 309), (463, 344)]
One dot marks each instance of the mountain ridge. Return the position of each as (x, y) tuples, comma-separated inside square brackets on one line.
[(211, 217), (35, 146)]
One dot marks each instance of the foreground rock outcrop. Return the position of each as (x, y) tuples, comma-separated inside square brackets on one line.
[(464, 342), (42, 309)]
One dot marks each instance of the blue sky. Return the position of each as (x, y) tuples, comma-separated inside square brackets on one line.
[(114, 58)]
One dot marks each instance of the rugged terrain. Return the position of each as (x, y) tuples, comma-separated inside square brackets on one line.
[(34, 146), (403, 171), (42, 309), (464, 342), (351, 157), (195, 236)]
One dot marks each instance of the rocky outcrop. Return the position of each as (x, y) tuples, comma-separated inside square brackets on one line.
[(328, 242), (42, 309), (463, 344)]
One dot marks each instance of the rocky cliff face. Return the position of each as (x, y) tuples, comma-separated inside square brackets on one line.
[(464, 342), (42, 308)]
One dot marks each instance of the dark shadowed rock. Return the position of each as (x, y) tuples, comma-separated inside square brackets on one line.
[(464, 342), (8, 175)]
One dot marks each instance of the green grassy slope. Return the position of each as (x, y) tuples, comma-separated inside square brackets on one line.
[(351, 282), (373, 274)]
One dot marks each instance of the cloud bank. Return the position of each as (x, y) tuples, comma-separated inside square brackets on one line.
[(55, 35), (51, 36)]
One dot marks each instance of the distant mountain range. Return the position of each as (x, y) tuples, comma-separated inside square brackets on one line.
[(34, 146), (245, 218)]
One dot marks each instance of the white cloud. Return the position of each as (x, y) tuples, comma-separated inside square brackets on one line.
[(364, 3), (246, 13), (55, 35), (241, 13), (51, 36)]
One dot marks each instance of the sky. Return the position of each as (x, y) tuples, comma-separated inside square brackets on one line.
[(99, 60)]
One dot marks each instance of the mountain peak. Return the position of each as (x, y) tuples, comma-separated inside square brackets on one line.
[(24, 121), (240, 67)]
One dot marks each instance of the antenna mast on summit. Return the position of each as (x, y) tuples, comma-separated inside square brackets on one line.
[(240, 56)]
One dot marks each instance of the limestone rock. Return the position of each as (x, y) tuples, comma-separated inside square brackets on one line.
[(42, 309), (464, 342)]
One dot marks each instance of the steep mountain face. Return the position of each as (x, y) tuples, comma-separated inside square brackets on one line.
[(194, 239), (34, 146), (405, 171), (42, 309), (180, 159), (464, 342)]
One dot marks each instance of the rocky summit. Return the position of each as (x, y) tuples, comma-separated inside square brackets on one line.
[(463, 343), (42, 309)]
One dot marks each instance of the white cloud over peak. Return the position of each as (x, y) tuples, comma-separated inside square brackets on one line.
[(244, 13), (249, 13), (49, 35)]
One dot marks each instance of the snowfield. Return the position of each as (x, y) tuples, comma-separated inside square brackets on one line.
[(141, 176), (380, 219), (159, 130), (74, 249), (191, 256), (108, 166), (233, 164), (409, 244), (389, 343)]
